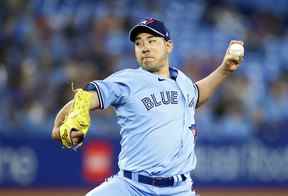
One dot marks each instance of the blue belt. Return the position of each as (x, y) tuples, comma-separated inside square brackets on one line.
[(155, 181)]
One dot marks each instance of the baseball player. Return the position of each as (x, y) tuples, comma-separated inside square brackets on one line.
[(155, 106)]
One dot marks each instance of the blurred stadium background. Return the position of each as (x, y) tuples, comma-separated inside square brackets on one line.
[(46, 44)]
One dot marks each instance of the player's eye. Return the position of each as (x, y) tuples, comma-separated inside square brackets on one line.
[(137, 43), (152, 41)]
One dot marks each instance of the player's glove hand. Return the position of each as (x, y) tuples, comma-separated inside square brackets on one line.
[(78, 119)]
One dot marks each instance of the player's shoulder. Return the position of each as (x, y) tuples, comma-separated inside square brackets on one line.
[(182, 75), (127, 71), (124, 75)]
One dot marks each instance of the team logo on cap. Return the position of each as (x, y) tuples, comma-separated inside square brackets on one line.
[(148, 21)]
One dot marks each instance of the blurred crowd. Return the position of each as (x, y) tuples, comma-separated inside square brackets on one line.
[(47, 44)]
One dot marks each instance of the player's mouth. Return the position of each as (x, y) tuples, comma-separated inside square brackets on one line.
[(147, 58)]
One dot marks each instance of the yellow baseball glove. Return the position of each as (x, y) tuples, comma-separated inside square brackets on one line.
[(78, 118)]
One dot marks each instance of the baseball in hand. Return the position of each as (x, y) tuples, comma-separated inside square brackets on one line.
[(236, 49)]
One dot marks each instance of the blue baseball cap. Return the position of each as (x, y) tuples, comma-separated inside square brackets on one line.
[(149, 25)]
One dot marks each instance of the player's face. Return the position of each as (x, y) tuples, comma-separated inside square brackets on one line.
[(152, 52)]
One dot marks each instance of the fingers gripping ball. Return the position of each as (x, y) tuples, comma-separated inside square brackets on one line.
[(78, 118), (236, 50)]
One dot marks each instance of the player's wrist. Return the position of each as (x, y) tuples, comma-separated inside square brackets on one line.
[(224, 71)]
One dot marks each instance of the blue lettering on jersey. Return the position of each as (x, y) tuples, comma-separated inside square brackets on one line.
[(148, 103), (174, 96), (165, 100), (167, 97)]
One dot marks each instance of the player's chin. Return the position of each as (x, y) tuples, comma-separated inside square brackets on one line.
[(150, 66)]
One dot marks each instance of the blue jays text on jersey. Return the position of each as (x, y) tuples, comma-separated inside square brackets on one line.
[(165, 97), (155, 115)]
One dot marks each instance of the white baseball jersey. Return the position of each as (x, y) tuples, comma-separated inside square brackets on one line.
[(156, 116)]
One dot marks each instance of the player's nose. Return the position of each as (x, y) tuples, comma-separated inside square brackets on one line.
[(145, 50)]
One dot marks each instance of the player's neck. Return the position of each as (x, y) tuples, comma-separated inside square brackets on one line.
[(164, 71)]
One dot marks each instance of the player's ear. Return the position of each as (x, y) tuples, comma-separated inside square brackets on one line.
[(169, 46)]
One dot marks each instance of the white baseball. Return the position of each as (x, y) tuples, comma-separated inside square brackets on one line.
[(236, 49)]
